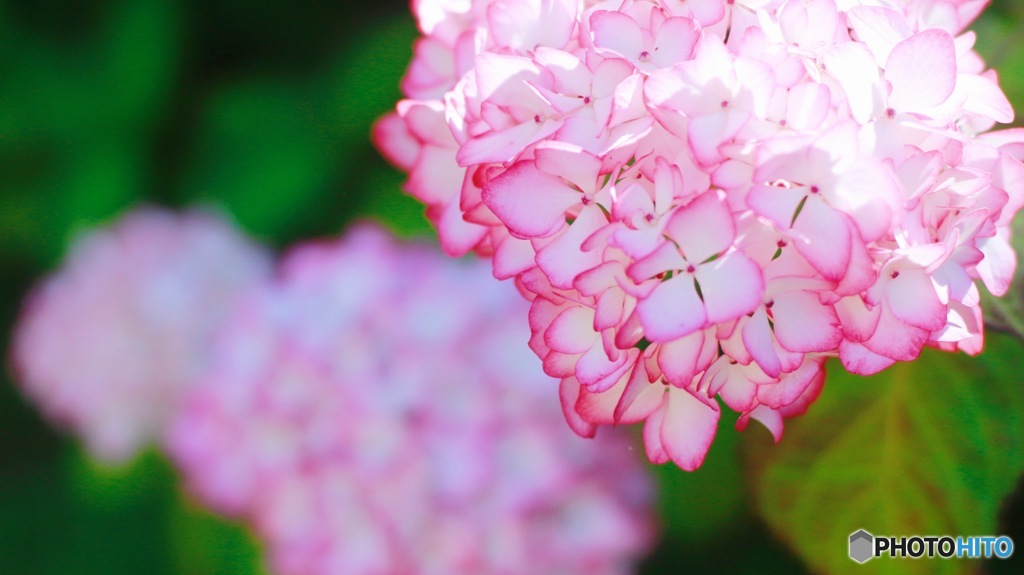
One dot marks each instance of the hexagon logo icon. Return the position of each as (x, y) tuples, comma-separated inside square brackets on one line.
[(862, 546)]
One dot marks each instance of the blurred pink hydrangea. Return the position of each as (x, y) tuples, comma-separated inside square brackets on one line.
[(107, 344), (708, 198), (375, 410)]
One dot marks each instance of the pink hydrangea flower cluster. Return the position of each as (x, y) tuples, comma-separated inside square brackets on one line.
[(107, 345), (706, 198), (374, 410)]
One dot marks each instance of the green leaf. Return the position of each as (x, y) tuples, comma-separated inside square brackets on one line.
[(388, 205), (689, 519), (120, 486), (930, 447), (113, 521), (116, 80), (366, 78), (140, 60), (206, 544), (264, 151), (998, 29), (52, 197), (1006, 313), (365, 83)]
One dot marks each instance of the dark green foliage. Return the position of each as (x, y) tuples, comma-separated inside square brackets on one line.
[(264, 107)]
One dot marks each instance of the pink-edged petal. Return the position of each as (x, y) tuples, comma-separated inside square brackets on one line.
[(396, 144), (776, 203), (557, 364), (919, 173), (854, 67), (913, 299), (610, 308), (756, 86), (922, 71), (705, 12), (809, 24), (732, 286), (822, 235), (870, 194), (688, 428), (630, 332), (860, 360), (702, 228), (675, 41), (652, 435), (996, 269), (757, 337), (731, 372), (570, 162), (858, 320), (662, 90), (500, 146), (525, 26), (457, 236), (572, 331), (732, 343), (639, 243), (895, 339), (617, 32), (599, 408), (728, 382), (426, 122), (512, 256), (673, 310), (790, 386), (984, 98), (639, 397), (504, 80), (533, 281), (803, 324), (732, 174), (631, 200), (436, 177), (608, 76), (622, 137), (627, 111), (565, 258), (682, 359), (770, 418), (810, 394), (432, 71), (568, 392), (705, 134), (597, 372), (571, 75), (665, 258), (596, 280), (542, 313), (880, 29), (530, 202), (808, 105), (955, 283), (860, 273), (965, 327)]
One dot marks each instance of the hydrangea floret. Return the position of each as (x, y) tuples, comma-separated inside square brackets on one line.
[(107, 345), (706, 199), (373, 410)]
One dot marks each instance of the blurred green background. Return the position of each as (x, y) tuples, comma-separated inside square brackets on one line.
[(264, 107)]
